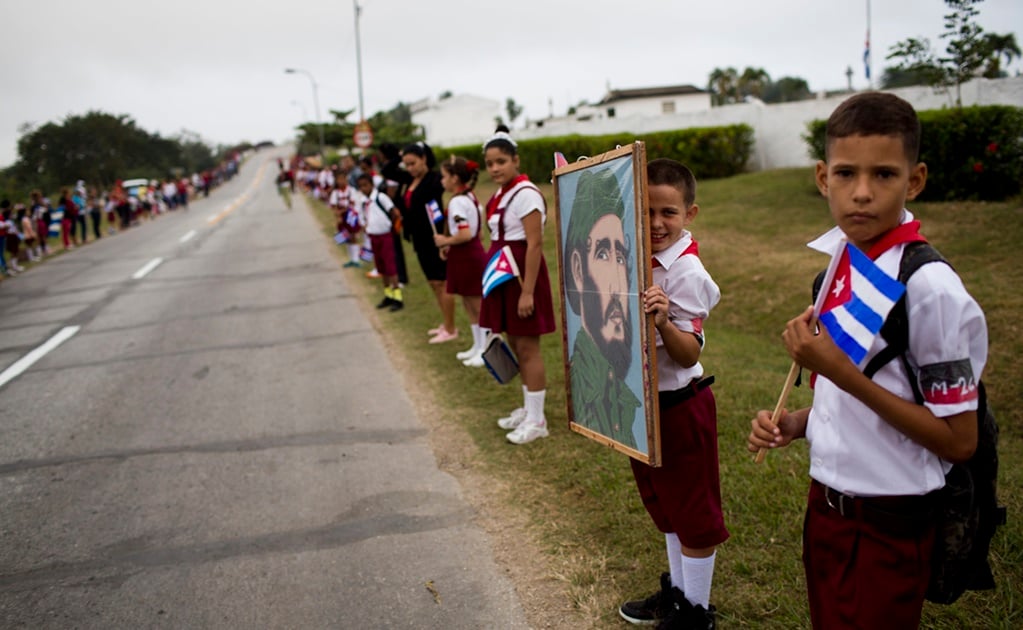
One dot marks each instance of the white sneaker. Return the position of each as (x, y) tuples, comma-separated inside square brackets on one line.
[(527, 432), (466, 354), (513, 420), (475, 360)]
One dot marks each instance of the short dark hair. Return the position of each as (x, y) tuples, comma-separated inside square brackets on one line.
[(364, 176), (876, 114), (665, 172)]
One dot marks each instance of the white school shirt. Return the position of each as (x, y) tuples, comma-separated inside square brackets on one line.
[(691, 295), (464, 212), (378, 221), (527, 201), (852, 449)]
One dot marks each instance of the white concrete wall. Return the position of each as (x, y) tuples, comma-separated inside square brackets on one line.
[(778, 128)]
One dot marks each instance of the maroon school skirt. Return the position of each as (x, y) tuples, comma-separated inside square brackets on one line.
[(465, 269), (500, 310)]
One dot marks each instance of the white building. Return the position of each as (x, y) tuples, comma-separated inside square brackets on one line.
[(778, 128), (456, 120), (646, 103)]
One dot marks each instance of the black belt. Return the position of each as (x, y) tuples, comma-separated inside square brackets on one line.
[(908, 514), (674, 397)]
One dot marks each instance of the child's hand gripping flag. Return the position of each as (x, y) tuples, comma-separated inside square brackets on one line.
[(499, 270), (855, 299)]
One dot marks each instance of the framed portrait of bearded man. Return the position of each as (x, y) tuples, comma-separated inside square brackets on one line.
[(604, 265)]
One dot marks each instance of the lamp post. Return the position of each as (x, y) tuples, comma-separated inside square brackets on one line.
[(358, 59), (316, 101)]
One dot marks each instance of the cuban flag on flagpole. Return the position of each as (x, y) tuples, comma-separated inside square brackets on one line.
[(866, 56), (433, 209), (855, 300), (499, 270)]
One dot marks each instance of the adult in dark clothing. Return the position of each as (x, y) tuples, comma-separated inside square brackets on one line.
[(422, 218)]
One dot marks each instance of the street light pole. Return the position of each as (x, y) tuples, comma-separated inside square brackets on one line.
[(316, 102), (358, 59)]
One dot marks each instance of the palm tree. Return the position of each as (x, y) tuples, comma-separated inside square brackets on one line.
[(753, 82), (999, 47), (724, 86)]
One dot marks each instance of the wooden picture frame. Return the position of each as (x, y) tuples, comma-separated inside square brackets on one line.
[(601, 214)]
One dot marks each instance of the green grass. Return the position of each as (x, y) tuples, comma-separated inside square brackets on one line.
[(579, 497)]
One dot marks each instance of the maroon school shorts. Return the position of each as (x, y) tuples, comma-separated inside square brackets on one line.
[(500, 310), (465, 269), (383, 254), (860, 573), (684, 495)]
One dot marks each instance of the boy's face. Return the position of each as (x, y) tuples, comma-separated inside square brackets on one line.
[(365, 186), (867, 180), (668, 216)]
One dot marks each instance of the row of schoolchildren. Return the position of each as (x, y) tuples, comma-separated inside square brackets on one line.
[(877, 457)]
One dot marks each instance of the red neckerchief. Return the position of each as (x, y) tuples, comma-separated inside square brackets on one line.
[(496, 199), (693, 249), (906, 233)]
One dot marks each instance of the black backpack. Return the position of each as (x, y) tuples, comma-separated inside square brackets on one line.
[(968, 512)]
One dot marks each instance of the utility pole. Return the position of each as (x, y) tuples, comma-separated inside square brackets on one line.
[(358, 59)]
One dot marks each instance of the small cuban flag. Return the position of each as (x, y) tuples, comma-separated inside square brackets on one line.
[(342, 237), (366, 254), (858, 298), (499, 270), (433, 209)]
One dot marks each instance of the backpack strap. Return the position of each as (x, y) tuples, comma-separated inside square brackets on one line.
[(376, 202), (895, 330)]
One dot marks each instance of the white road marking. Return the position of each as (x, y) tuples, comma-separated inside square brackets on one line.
[(26, 361), (149, 266), (187, 237)]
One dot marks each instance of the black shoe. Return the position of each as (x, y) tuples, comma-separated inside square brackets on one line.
[(396, 305), (686, 616), (652, 609), (384, 303)]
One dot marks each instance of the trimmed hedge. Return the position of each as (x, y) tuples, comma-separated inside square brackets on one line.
[(710, 152), (971, 152)]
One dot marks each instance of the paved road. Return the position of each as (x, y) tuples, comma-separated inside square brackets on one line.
[(221, 443)]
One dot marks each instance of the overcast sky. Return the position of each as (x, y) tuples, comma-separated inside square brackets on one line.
[(216, 67)]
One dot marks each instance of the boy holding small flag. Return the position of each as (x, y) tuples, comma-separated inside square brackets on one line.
[(877, 458)]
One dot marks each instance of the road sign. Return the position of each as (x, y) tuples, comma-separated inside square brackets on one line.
[(363, 135)]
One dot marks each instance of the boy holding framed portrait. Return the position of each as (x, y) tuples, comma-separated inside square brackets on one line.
[(636, 384)]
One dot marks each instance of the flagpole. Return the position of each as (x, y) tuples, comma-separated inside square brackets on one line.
[(790, 382), (870, 81)]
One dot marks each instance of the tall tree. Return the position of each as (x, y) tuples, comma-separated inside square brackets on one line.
[(786, 89), (723, 85), (969, 52), (753, 82), (998, 47), (513, 109)]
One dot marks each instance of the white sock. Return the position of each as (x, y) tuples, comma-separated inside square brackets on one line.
[(675, 560), (477, 339), (353, 251), (699, 573), (534, 407)]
